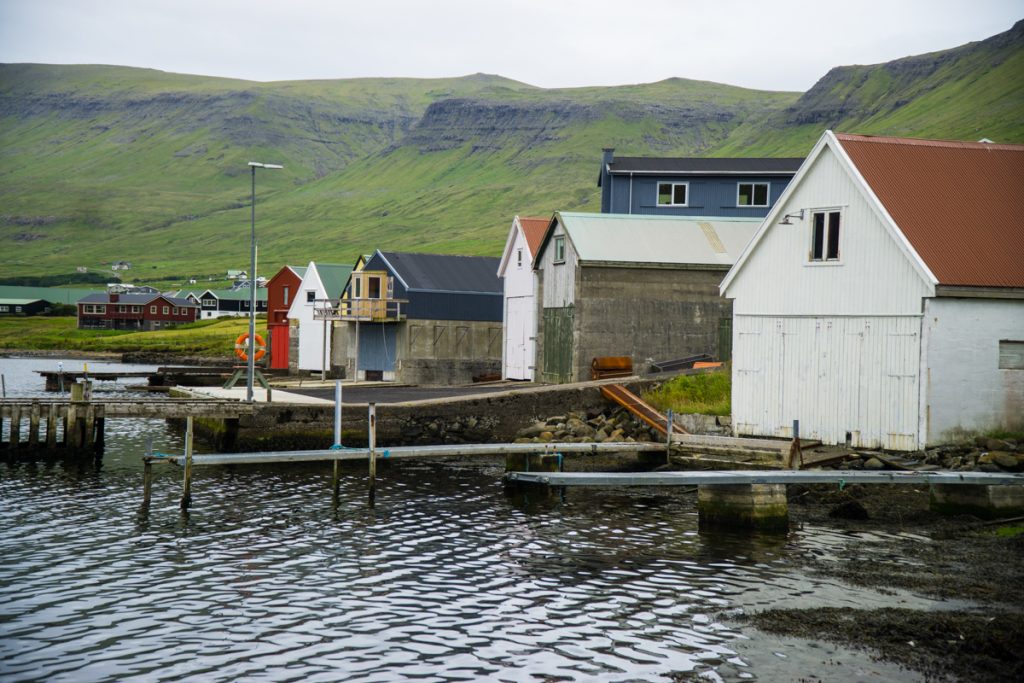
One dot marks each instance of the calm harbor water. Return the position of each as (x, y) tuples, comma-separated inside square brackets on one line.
[(447, 578)]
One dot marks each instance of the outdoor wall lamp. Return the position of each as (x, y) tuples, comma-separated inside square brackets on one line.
[(796, 214)]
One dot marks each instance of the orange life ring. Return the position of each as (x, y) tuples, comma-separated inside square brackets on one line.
[(242, 345)]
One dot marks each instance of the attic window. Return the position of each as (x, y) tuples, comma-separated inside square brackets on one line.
[(310, 295), (560, 249), (825, 235), (672, 194), (752, 194), (519, 258)]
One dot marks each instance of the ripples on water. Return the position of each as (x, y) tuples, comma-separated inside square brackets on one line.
[(448, 578)]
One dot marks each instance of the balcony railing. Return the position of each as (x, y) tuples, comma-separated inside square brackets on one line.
[(363, 310)]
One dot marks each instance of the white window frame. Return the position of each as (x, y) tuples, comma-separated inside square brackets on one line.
[(559, 249), (672, 194), (152, 310), (167, 310), (210, 303), (826, 239), (7, 309), (752, 204)]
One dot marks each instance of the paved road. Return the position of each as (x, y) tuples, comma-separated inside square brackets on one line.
[(384, 393)]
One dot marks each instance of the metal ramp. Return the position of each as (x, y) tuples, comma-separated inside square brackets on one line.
[(637, 406)]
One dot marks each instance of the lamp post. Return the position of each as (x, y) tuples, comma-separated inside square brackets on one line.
[(251, 370)]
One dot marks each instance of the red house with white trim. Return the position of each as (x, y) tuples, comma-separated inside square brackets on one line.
[(281, 291), (144, 312)]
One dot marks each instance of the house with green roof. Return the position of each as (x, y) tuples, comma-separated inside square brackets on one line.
[(322, 282)]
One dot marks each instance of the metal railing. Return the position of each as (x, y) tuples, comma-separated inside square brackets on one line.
[(361, 309)]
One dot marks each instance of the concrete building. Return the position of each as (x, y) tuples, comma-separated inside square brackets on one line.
[(520, 314), (310, 348), (639, 286), (420, 319), (881, 302)]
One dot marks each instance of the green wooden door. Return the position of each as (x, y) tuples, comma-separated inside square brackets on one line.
[(558, 344)]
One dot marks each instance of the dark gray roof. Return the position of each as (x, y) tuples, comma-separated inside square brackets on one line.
[(446, 273), (133, 299), (707, 165)]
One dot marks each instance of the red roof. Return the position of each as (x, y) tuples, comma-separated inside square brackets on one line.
[(960, 204), (534, 229)]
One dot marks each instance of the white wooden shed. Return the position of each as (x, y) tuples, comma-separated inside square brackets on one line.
[(881, 302), (519, 330), (321, 281)]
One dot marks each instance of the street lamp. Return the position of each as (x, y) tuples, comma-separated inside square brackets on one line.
[(252, 283)]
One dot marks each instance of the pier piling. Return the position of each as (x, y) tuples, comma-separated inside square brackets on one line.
[(33, 424), (186, 492), (372, 429), (15, 426), (51, 426)]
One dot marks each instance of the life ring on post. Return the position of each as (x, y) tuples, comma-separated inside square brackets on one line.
[(242, 347)]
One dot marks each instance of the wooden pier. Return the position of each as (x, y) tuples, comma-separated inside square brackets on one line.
[(78, 424), (748, 477)]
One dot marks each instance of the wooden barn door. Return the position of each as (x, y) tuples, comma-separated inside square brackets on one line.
[(279, 347), (558, 344)]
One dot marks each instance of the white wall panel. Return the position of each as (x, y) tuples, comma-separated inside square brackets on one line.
[(873, 276), (559, 278), (837, 375)]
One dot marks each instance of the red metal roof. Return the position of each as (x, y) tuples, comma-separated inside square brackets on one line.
[(960, 204), (534, 229)]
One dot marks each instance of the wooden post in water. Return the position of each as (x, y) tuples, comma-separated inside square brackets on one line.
[(186, 493), (90, 425), (147, 482), (33, 424), (51, 426), (15, 425), (73, 429), (668, 435), (372, 429), (100, 443)]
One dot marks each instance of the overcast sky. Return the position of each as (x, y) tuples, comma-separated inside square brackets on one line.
[(780, 45)]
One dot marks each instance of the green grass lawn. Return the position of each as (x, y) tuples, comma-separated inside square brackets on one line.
[(709, 393), (210, 338)]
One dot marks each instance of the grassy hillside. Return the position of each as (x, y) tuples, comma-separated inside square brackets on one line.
[(99, 164)]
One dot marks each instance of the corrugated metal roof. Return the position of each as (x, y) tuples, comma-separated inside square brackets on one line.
[(133, 299), (630, 238), (445, 272), (237, 294), (706, 165), (533, 229), (333, 276), (19, 302), (958, 203), (54, 295)]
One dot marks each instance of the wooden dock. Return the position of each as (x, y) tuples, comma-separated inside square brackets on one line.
[(746, 477)]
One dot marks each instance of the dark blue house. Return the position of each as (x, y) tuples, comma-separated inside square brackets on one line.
[(421, 318), (723, 187)]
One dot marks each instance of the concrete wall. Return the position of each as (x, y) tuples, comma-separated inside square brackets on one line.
[(432, 351), (646, 313), (965, 390)]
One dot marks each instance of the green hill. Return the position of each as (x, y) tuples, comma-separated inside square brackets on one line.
[(101, 164)]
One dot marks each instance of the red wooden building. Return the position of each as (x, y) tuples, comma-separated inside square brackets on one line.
[(111, 311), (281, 290)]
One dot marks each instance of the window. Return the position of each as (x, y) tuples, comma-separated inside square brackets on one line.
[(825, 236), (17, 309), (167, 310), (560, 249), (152, 309), (310, 296), (7, 309), (285, 296), (122, 309), (752, 194), (136, 309), (1011, 354), (209, 303), (373, 288), (174, 311), (672, 194), (519, 258)]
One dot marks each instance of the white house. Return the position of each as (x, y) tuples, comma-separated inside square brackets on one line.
[(520, 317), (881, 302), (321, 281)]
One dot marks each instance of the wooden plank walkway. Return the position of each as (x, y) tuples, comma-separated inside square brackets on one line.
[(702, 478), (622, 396)]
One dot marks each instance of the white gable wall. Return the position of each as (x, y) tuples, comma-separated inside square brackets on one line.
[(965, 391), (836, 346), (311, 332), (520, 328)]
